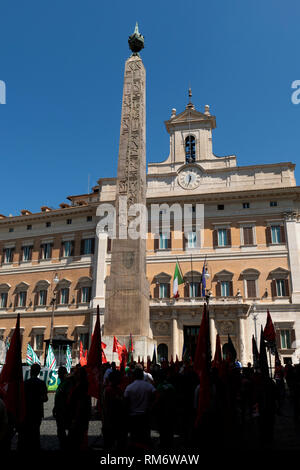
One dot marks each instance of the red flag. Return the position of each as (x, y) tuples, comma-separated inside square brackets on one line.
[(269, 334), (82, 356), (172, 360), (124, 356), (11, 378), (103, 346), (148, 364), (217, 362), (117, 348), (202, 366), (94, 361)]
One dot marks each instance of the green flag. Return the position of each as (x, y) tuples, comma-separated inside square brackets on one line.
[(177, 280)]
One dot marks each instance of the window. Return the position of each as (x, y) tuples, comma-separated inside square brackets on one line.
[(48, 224), (3, 299), (38, 342), (68, 248), (224, 288), (89, 218), (11, 229), (22, 299), (285, 339), (220, 207), (192, 240), (248, 235), (190, 149), (84, 339), (69, 221), (27, 253), (87, 246), (275, 234), (246, 205), (29, 227), (64, 296), (222, 237), (42, 297), (273, 204), (280, 288), (163, 290), (8, 255), (163, 241), (46, 250), (85, 294), (194, 289), (251, 288)]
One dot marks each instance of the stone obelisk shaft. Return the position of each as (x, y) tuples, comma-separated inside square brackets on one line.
[(127, 290)]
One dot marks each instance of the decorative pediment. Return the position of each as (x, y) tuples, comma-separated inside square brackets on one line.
[(41, 285), (193, 276), (63, 284), (4, 287), (279, 273), (191, 116), (84, 281), (224, 275), (250, 273), (22, 286), (162, 278)]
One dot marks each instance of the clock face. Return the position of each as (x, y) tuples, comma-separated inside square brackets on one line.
[(189, 178)]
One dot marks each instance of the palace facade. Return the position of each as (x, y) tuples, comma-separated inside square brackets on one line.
[(54, 264)]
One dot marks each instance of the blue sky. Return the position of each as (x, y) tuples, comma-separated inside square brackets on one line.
[(63, 63)]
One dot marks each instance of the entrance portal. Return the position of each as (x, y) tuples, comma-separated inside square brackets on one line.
[(190, 339)]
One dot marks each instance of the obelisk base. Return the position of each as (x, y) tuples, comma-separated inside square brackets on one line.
[(142, 346)]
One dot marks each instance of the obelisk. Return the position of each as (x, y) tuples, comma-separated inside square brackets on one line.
[(127, 288)]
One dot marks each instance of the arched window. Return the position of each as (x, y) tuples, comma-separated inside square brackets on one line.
[(162, 352), (190, 149)]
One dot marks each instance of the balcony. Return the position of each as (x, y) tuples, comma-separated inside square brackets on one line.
[(197, 301)]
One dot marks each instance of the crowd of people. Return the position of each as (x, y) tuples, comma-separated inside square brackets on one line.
[(242, 407)]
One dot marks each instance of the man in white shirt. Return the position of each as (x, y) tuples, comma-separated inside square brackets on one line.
[(139, 396)]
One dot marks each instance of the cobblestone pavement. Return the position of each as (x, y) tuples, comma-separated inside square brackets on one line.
[(286, 434)]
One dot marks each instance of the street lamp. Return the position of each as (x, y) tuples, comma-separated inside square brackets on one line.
[(55, 280), (254, 316)]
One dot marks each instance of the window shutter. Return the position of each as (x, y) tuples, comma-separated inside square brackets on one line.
[(228, 237), (72, 248), (230, 288), (170, 241), (79, 294), (282, 234), (273, 288), (36, 299), (186, 290), (93, 246), (25, 299), (251, 288), (246, 237), (268, 235), (156, 244), (67, 296), (16, 299), (286, 288), (82, 246), (215, 237), (156, 291), (218, 289), (51, 247), (278, 342), (293, 339), (168, 290), (62, 249), (41, 250)]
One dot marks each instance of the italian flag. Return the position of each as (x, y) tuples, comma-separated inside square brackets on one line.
[(178, 279)]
